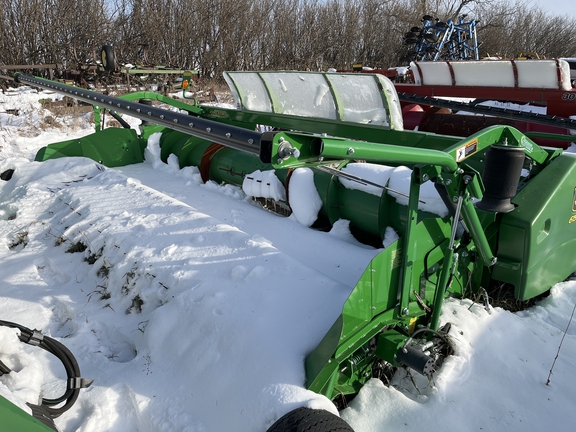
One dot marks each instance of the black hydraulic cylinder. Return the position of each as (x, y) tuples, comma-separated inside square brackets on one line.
[(231, 136), (415, 359)]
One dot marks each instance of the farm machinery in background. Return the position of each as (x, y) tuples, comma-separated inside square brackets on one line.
[(546, 85), (104, 71), (435, 40), (489, 211), (444, 62), (462, 97), (161, 79), (443, 40)]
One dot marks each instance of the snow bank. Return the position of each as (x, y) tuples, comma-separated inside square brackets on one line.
[(193, 309), (167, 308)]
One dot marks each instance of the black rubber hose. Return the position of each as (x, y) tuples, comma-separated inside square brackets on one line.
[(4, 369), (72, 371), (68, 361)]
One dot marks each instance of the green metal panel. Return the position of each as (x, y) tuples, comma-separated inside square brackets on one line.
[(372, 305), (538, 239), (13, 419), (365, 132), (111, 147)]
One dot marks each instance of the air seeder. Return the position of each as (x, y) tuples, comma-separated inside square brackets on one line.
[(507, 206)]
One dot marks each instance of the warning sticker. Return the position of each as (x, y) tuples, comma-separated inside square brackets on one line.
[(466, 150)]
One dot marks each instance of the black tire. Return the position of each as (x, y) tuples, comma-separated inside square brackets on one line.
[(107, 57), (310, 420)]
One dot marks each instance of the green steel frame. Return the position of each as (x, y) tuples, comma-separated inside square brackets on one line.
[(403, 288)]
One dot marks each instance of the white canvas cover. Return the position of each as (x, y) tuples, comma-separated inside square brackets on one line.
[(347, 97), (495, 73)]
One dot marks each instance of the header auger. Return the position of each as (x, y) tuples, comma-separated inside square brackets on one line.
[(489, 210)]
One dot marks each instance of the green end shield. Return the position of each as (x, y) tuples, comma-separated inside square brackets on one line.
[(111, 147)]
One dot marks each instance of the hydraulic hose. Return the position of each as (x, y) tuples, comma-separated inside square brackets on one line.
[(74, 380)]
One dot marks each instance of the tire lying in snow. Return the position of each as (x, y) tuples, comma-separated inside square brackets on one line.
[(310, 420)]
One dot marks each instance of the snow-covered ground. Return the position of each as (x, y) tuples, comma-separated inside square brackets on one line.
[(193, 309)]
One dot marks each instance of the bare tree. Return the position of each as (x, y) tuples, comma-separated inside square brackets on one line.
[(217, 35)]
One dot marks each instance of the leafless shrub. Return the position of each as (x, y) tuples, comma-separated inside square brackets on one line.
[(217, 35)]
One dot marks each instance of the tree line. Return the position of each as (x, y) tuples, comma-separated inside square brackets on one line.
[(217, 35)]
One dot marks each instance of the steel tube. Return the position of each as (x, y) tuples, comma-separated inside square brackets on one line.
[(377, 152), (231, 136)]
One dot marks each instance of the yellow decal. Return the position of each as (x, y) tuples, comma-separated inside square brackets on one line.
[(412, 325), (572, 219), (466, 150)]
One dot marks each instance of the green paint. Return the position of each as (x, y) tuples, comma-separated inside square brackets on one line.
[(403, 287)]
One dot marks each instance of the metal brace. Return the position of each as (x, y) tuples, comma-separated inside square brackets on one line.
[(421, 302)]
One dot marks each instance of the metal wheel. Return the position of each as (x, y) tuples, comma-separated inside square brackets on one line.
[(310, 420)]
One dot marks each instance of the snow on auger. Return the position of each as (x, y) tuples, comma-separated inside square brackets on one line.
[(492, 210)]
